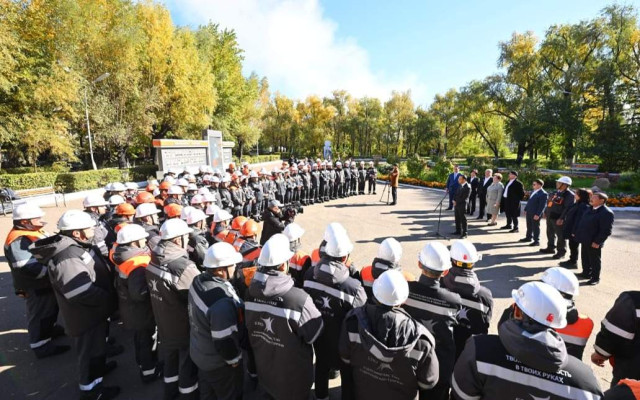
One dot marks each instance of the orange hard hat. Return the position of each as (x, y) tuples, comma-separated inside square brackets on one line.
[(173, 210), (144, 197), (237, 222), (165, 185), (250, 228), (125, 209), (151, 187)]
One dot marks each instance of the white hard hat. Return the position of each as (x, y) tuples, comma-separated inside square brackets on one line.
[(211, 209), (197, 199), (391, 288), (170, 179), (118, 187), (75, 219), (182, 182), (464, 251), (192, 186), (172, 228), (184, 213), (175, 189), (562, 279), (175, 170), (146, 209), (116, 199), (565, 179), (293, 231), (222, 215), (208, 197), (203, 190), (196, 216), (130, 233), (338, 242), (263, 171), (275, 252), (332, 227), (542, 303), (435, 256), (155, 192), (346, 163), (338, 164), (226, 179), (95, 200), (370, 162), (215, 179), (27, 211), (220, 255), (108, 187), (390, 250), (131, 186), (253, 174)]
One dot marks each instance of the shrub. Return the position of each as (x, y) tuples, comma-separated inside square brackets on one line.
[(415, 166), (258, 159), (393, 159), (142, 172), (86, 180), (629, 181), (442, 169), (28, 181)]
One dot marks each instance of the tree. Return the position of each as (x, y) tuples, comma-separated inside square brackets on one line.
[(315, 118), (399, 117), (447, 112)]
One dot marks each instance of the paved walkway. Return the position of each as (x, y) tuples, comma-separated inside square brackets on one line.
[(506, 264)]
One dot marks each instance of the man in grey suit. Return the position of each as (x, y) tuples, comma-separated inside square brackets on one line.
[(460, 202), (533, 213)]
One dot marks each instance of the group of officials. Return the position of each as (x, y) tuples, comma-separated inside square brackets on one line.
[(227, 312), (578, 219)]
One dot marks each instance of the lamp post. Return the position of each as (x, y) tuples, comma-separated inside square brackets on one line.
[(86, 112)]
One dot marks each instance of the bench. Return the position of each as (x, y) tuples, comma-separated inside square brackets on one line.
[(8, 204), (585, 167)]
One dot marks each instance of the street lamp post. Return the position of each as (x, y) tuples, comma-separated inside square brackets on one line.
[(86, 112)]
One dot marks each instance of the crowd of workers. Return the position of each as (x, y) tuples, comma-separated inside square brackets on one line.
[(214, 310)]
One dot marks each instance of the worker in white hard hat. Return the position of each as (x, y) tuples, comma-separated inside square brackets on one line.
[(438, 309), (217, 326), (31, 282), (388, 257), (527, 358), (477, 300), (198, 244), (96, 206), (169, 276), (314, 195), (258, 193), (305, 175), (362, 177), (334, 293), (339, 182), (282, 323), (131, 256), (300, 262), (249, 197), (372, 176), (176, 196), (220, 228), (147, 217), (558, 205), (390, 354), (324, 182), (83, 285), (579, 326)]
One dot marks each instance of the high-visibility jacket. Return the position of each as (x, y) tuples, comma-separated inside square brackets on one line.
[(231, 236), (26, 271), (132, 287), (369, 274), (576, 335), (626, 389), (298, 266)]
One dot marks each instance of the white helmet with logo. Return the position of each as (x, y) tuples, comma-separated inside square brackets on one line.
[(463, 251), (542, 303), (75, 220), (130, 233), (173, 228), (390, 250), (27, 211), (435, 256), (391, 288), (563, 280), (221, 255), (275, 252)]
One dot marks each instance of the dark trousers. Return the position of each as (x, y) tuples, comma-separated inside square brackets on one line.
[(483, 205), (553, 231), (574, 248), (394, 194), (180, 374), (42, 313), (512, 217), (372, 186), (354, 186), (323, 365), (533, 228), (452, 193), (461, 219), (145, 348), (591, 261), (221, 384), (446, 362), (91, 352), (471, 208), (361, 186)]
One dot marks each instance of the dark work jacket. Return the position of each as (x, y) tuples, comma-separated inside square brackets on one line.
[(315, 178), (82, 281), (515, 194), (536, 203), (133, 291), (272, 225), (573, 216), (225, 198), (559, 203), (595, 226), (524, 361), (169, 276), (28, 274), (334, 294), (198, 245), (258, 192), (461, 196), (154, 235)]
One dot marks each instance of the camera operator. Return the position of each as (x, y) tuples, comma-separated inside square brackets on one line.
[(274, 221)]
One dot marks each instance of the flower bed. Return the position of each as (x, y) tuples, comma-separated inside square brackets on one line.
[(624, 200), (416, 182)]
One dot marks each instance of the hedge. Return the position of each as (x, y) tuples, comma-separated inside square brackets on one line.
[(142, 172), (416, 182), (28, 181), (86, 180), (258, 159)]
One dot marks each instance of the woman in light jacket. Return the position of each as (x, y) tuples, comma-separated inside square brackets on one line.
[(494, 195)]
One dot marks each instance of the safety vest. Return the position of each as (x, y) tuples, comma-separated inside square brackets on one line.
[(221, 236), (231, 236), (315, 256), (577, 333), (298, 260), (251, 254), (238, 243), (366, 274), (126, 267), (633, 385), (14, 234)]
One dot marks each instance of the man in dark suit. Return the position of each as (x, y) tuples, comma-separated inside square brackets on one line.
[(593, 229), (482, 192), (513, 194), (475, 183), (533, 212), (453, 185), (460, 203)]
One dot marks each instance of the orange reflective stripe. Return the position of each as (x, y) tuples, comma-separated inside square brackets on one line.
[(366, 274), (577, 333), (315, 256), (231, 237), (134, 262), (251, 255), (632, 384), (14, 234), (248, 274), (298, 260), (221, 236)]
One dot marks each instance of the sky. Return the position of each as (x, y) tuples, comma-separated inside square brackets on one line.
[(373, 47)]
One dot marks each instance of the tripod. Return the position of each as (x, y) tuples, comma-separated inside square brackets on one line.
[(437, 233), (385, 188)]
